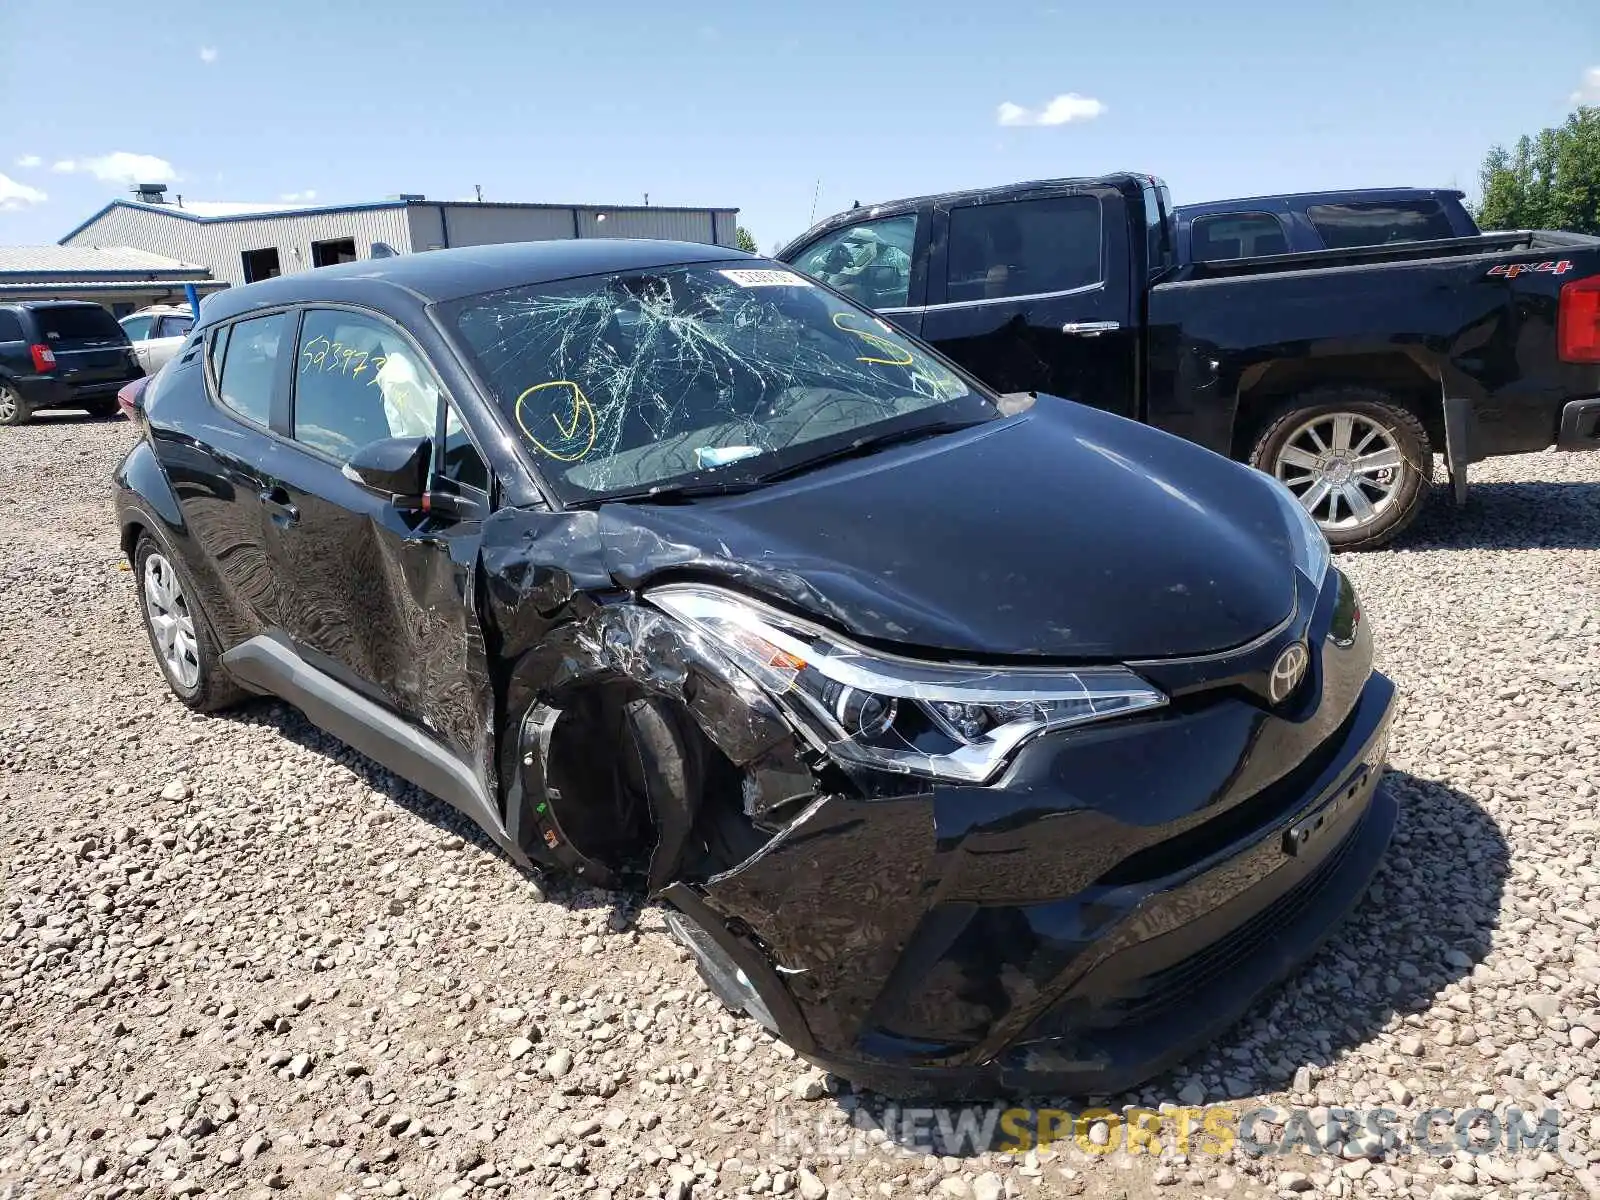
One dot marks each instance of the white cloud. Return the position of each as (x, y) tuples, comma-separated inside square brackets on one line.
[(29, 160), (18, 195), (121, 167), (1063, 110), (208, 54), (292, 197), (1589, 90)]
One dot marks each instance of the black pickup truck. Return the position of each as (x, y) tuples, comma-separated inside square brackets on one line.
[(1338, 371)]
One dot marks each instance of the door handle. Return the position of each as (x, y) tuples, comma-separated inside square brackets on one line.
[(1091, 328), (284, 511)]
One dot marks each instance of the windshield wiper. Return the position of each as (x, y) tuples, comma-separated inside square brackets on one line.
[(679, 493), (863, 446)]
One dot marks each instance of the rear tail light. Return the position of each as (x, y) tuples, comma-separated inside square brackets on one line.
[(44, 358), (1578, 322)]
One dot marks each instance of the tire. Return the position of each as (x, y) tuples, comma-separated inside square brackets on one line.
[(180, 633), (14, 409), (102, 408), (1316, 446)]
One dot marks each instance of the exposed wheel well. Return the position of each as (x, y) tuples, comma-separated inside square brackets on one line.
[(1264, 393), (637, 786)]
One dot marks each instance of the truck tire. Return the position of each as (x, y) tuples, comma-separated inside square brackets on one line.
[(13, 408), (1359, 462)]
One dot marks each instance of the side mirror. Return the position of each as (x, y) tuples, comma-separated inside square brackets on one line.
[(396, 466)]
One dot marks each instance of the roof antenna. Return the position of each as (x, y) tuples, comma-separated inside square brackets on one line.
[(855, 204), (647, 199), (812, 220)]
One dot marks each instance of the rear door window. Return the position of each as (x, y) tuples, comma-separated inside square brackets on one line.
[(1023, 248), (1236, 235), (10, 328), (244, 363), (174, 326), (138, 328), (86, 324), (357, 381), (1371, 223)]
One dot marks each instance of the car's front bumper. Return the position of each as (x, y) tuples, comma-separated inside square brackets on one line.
[(1116, 900)]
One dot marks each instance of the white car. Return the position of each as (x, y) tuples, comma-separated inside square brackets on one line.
[(157, 332)]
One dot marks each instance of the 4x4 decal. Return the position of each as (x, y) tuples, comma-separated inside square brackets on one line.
[(1512, 270)]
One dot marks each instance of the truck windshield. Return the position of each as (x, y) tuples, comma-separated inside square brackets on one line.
[(619, 383)]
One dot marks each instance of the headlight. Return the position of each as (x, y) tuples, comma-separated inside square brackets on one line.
[(949, 722), (1311, 552)]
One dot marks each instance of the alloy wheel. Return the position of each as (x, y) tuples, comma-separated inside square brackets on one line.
[(171, 622), (1345, 468), (8, 405)]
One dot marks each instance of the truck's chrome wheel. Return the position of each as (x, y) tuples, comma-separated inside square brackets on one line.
[(1344, 467), (171, 622)]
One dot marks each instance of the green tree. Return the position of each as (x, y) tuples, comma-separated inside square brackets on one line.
[(1551, 181), (745, 240)]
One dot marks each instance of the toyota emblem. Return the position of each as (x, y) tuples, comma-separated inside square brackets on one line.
[(1287, 672)]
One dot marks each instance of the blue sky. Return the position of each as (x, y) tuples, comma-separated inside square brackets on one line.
[(750, 105)]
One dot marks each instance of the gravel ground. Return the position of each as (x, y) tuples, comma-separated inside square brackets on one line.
[(237, 958)]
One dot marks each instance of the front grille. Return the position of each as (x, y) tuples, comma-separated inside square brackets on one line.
[(1215, 832), (1172, 985)]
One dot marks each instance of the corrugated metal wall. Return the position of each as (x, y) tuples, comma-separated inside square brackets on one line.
[(219, 244), (647, 223), (488, 224)]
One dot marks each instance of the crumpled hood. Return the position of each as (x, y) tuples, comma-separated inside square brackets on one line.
[(1063, 532)]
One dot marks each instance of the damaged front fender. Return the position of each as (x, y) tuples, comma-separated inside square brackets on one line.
[(622, 725)]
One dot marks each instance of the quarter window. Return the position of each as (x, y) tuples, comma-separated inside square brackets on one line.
[(1236, 235), (10, 328), (173, 326), (461, 463), (137, 328), (869, 262), (358, 381), (1023, 248), (1343, 226), (244, 363)]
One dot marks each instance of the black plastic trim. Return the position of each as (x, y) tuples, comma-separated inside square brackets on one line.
[(268, 665), (1580, 425)]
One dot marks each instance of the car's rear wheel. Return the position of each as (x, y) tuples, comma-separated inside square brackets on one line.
[(13, 408), (180, 635), (102, 408), (1360, 464)]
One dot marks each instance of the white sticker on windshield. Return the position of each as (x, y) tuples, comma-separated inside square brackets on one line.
[(766, 278)]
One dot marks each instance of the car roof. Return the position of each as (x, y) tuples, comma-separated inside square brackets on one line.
[(181, 310), (53, 304), (435, 275)]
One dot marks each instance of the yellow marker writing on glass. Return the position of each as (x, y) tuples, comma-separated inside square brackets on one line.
[(875, 340), (579, 427)]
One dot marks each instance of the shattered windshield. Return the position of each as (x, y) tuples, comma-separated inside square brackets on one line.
[(619, 383)]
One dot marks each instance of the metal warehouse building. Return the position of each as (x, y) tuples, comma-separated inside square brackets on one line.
[(241, 243)]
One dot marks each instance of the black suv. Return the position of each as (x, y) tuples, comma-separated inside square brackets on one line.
[(61, 354), (972, 743)]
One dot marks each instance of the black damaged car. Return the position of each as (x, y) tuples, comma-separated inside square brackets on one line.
[(972, 744)]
